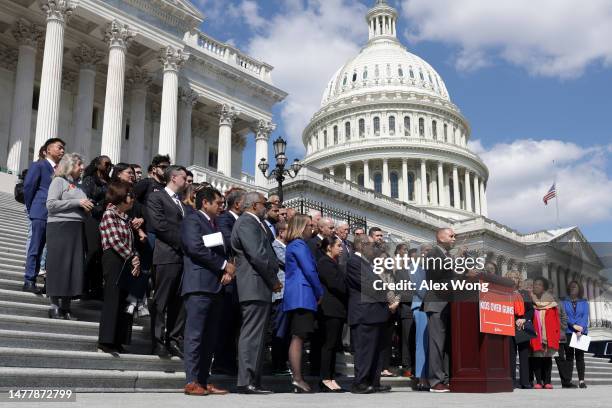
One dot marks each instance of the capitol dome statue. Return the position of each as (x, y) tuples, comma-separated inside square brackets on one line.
[(387, 123)]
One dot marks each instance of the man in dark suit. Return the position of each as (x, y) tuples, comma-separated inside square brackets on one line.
[(325, 228), (166, 213), (342, 231), (256, 279), (226, 350), (437, 307), (206, 272), (271, 219), (35, 189), (368, 313)]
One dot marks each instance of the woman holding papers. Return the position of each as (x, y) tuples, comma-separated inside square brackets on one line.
[(577, 309), (303, 292), (547, 327)]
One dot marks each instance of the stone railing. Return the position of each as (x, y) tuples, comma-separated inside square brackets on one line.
[(247, 178), (222, 182), (230, 55)]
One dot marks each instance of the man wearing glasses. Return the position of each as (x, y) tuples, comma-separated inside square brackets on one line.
[(156, 182)]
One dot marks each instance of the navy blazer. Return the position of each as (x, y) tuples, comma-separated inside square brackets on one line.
[(201, 265), (365, 304), (302, 285), (36, 188), (225, 223)]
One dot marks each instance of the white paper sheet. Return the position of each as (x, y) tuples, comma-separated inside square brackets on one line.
[(581, 343), (212, 240)]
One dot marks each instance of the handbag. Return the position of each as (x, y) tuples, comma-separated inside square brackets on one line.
[(134, 285), (526, 333)]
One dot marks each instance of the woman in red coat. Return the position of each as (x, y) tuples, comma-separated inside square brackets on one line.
[(548, 328)]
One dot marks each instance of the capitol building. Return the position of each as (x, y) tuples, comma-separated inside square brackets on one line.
[(133, 78)]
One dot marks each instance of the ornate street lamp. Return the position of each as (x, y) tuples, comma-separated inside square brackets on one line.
[(279, 172)]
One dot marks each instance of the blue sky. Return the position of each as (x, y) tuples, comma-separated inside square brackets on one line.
[(535, 87)]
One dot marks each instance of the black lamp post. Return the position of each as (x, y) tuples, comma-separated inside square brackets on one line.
[(279, 172)]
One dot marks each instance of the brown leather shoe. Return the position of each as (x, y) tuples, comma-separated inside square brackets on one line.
[(194, 388), (212, 390)]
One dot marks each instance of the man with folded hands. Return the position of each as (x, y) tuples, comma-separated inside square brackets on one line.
[(207, 271)]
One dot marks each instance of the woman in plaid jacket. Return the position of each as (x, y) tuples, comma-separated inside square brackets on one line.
[(118, 257)]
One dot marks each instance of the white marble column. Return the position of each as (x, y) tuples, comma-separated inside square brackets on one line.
[(187, 100), (28, 37), (47, 121), (172, 60), (347, 171), (87, 58), (263, 129), (441, 197), (598, 302), (227, 115), (554, 278), (483, 199), (467, 191), (589, 290), (118, 37), (455, 192), (386, 184), (404, 197), (476, 195), (366, 174), (545, 271), (423, 177), (139, 81)]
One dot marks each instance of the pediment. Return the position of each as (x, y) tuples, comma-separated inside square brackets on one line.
[(185, 6), (575, 243)]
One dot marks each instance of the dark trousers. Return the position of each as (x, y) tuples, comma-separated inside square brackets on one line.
[(408, 330), (568, 354), (542, 368), (252, 341), (115, 324), (226, 350), (203, 313), (280, 346), (387, 347), (35, 249), (167, 312), (93, 260), (331, 332), (368, 341), (523, 353), (438, 324)]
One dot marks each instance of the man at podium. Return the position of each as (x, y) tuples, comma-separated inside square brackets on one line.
[(436, 305)]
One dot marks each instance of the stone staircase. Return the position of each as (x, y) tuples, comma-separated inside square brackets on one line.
[(36, 351)]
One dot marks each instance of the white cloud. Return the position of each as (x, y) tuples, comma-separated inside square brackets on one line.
[(522, 172), (307, 42), (547, 37)]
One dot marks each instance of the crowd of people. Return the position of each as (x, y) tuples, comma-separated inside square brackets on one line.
[(225, 276)]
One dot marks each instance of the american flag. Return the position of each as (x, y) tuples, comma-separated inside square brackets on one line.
[(552, 193)]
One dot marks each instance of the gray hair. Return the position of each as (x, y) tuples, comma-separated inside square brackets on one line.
[(65, 166), (250, 198), (235, 196)]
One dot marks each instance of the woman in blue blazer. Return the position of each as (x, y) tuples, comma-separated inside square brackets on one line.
[(577, 309), (303, 292)]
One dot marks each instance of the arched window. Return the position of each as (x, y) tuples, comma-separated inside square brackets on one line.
[(429, 187), (410, 186), (400, 71), (430, 80), (421, 75), (445, 132), (411, 73), (354, 76), (378, 183), (376, 125), (434, 129), (453, 136), (335, 135), (451, 189), (347, 131), (325, 138), (391, 125), (365, 73), (421, 127), (345, 80), (361, 127), (360, 180), (394, 179), (406, 125)]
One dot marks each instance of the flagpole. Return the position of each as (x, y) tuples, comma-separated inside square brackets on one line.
[(556, 196)]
